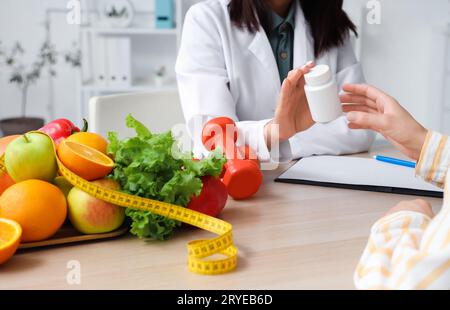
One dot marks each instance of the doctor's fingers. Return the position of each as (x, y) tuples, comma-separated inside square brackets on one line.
[(308, 67), (357, 99), (286, 92), (366, 120), (297, 76), (364, 90), (303, 71), (294, 76)]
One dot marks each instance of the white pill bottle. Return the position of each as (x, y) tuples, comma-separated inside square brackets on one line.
[(322, 94)]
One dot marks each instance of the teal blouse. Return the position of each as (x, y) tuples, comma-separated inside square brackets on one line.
[(281, 37)]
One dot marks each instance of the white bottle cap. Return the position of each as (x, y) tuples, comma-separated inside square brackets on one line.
[(318, 75)]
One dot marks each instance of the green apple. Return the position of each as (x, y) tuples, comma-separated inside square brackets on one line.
[(31, 156), (63, 185), (90, 215)]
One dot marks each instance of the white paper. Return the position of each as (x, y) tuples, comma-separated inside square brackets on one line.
[(356, 171)]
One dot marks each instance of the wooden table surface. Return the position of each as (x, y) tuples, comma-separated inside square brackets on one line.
[(289, 237)]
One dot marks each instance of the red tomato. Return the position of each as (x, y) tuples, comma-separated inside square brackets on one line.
[(212, 199)]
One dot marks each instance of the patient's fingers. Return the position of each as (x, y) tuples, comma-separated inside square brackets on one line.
[(355, 126), (349, 98), (358, 108), (418, 205), (364, 90), (366, 120)]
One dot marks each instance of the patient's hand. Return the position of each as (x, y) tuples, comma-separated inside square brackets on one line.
[(370, 108), (417, 205), (292, 114)]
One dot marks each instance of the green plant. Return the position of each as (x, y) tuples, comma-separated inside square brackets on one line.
[(113, 12), (161, 72), (24, 75)]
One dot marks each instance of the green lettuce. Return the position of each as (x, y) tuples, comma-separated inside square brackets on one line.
[(145, 167)]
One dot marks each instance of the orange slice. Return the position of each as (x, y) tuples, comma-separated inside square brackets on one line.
[(10, 234), (90, 139), (85, 161)]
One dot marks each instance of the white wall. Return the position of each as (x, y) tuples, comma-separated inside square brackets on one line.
[(404, 54)]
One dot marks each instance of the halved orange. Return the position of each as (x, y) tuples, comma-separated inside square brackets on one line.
[(85, 161), (90, 139), (10, 234)]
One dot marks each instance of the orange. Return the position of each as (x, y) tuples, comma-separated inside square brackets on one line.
[(5, 179), (10, 233), (85, 161), (39, 207), (90, 139)]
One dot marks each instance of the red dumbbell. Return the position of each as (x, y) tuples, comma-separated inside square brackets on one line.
[(217, 131), (242, 175)]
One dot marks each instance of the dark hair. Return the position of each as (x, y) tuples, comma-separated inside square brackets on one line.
[(330, 25)]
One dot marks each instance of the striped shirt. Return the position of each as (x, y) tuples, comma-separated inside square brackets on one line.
[(409, 250)]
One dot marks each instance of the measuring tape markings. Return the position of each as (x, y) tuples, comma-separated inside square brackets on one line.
[(198, 250)]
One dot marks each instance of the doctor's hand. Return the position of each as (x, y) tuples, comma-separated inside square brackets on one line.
[(292, 114), (370, 108)]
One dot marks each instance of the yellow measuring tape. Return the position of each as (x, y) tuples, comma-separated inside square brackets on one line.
[(199, 251)]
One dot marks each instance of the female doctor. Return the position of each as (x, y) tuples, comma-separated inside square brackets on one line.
[(237, 59)]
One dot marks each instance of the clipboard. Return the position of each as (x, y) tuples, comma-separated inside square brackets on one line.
[(364, 174)]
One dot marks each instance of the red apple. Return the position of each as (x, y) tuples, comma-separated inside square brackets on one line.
[(90, 215)]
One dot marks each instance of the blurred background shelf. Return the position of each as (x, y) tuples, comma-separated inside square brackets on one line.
[(128, 89), (128, 31), (137, 58)]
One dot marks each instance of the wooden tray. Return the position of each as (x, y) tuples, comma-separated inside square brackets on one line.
[(67, 235)]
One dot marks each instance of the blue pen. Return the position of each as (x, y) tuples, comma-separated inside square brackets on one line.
[(395, 161)]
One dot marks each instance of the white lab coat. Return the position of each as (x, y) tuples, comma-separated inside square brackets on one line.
[(225, 71)]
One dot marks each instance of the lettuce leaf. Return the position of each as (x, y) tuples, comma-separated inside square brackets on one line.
[(145, 167)]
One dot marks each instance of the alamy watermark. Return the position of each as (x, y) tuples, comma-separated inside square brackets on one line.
[(235, 144), (73, 277), (73, 16), (373, 16)]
